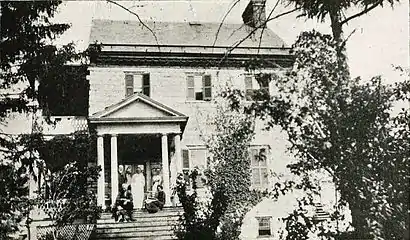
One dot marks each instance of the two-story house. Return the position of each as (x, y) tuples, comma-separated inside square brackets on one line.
[(150, 87), (147, 90)]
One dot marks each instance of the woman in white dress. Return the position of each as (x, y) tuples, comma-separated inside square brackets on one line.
[(137, 188)]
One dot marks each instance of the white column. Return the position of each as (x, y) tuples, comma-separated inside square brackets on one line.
[(178, 164), (165, 168), (178, 156), (101, 179), (114, 168)]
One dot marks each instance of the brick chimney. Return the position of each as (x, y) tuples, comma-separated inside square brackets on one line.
[(255, 14)]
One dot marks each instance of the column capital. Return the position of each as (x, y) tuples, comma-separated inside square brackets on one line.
[(100, 135), (164, 134), (114, 135)]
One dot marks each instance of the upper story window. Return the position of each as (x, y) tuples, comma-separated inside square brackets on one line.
[(137, 83), (199, 87), (251, 85), (192, 158), (259, 165), (264, 226)]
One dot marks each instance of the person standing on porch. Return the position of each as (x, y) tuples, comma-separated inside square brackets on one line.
[(121, 177), (137, 188), (156, 180), (128, 176)]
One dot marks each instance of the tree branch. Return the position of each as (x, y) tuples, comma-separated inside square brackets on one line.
[(223, 20), (139, 19), (254, 30), (366, 10)]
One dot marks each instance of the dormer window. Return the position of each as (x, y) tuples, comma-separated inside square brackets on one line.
[(199, 87), (137, 83)]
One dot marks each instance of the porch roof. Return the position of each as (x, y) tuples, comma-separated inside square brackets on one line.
[(138, 109)]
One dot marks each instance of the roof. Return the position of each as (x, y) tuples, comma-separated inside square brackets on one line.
[(180, 34), (109, 113)]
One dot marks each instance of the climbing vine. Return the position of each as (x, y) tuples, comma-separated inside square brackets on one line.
[(219, 213)]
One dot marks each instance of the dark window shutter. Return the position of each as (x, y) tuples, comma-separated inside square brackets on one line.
[(185, 159), (248, 88), (146, 84), (207, 87), (190, 88), (186, 167), (129, 84)]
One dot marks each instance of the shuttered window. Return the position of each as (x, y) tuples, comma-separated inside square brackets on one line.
[(190, 159), (259, 164), (199, 87), (252, 85), (137, 83)]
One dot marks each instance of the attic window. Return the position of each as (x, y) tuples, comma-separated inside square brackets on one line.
[(195, 24)]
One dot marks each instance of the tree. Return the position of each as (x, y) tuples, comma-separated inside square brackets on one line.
[(336, 11), (347, 129), (28, 56)]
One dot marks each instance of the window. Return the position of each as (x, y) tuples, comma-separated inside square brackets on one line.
[(264, 226), (192, 158), (199, 87), (137, 83), (259, 167), (251, 85)]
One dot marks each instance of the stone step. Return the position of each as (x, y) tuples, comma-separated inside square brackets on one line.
[(143, 219), (146, 215), (142, 238), (134, 228), (135, 224), (158, 226), (133, 234)]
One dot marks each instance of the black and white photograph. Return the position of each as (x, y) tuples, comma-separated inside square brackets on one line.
[(204, 120)]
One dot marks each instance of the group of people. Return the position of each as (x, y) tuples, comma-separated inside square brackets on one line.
[(131, 195)]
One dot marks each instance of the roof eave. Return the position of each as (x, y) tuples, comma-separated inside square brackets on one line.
[(139, 120)]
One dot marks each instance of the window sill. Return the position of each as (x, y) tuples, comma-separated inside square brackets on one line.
[(198, 101), (264, 236)]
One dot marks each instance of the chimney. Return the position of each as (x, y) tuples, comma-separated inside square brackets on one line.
[(255, 14)]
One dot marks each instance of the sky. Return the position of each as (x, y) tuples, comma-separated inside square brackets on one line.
[(379, 42)]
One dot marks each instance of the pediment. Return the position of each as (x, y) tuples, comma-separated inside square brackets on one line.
[(137, 106)]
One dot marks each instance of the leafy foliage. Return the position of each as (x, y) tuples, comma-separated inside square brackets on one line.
[(28, 56), (16, 163), (67, 194), (69, 179), (220, 213), (336, 10), (347, 129)]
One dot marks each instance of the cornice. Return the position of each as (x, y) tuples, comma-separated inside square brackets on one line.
[(190, 59)]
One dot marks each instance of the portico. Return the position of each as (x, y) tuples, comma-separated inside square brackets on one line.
[(143, 118)]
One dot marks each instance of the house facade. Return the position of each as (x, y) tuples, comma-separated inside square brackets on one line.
[(152, 90), (152, 83)]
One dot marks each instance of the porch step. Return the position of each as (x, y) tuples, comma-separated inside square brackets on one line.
[(158, 226)]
